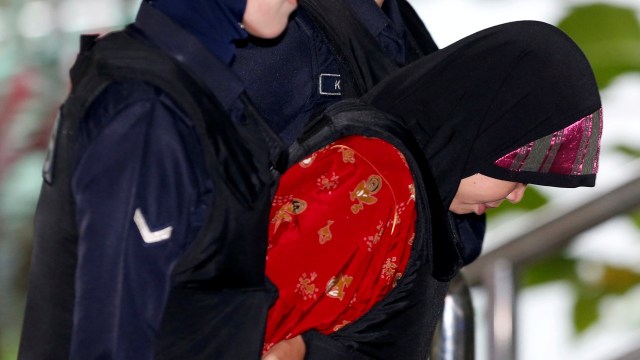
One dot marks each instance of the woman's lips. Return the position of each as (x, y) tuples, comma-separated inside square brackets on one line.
[(481, 209)]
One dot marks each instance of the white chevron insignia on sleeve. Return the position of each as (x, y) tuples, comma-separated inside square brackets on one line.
[(149, 236)]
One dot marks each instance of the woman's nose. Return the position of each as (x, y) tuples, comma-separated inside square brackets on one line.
[(517, 194)]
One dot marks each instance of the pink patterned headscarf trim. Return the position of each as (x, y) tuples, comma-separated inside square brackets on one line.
[(573, 150)]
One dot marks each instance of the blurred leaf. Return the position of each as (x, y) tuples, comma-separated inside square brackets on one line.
[(532, 200), (618, 280), (612, 281), (635, 217), (627, 150), (555, 268), (586, 310), (609, 36), (589, 290)]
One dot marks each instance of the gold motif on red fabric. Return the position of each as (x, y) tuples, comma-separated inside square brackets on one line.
[(399, 210), (288, 211), (336, 286), (328, 183), (398, 277), (340, 326), (348, 155), (389, 269), (371, 240), (308, 161), (363, 193), (306, 287), (324, 234), (404, 159)]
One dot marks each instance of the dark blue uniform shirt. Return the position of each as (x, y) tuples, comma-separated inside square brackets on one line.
[(297, 76), (386, 26), (141, 190)]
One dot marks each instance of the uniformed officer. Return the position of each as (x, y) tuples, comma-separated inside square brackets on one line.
[(133, 257)]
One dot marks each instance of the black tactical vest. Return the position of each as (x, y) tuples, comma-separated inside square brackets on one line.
[(401, 325), (224, 265)]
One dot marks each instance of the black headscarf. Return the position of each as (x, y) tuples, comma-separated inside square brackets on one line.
[(492, 93)]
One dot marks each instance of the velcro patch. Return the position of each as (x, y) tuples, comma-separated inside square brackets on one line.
[(329, 84)]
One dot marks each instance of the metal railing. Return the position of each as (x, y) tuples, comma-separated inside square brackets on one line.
[(497, 271), (633, 355), (454, 338)]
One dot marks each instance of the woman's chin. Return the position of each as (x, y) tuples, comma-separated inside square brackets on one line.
[(480, 209)]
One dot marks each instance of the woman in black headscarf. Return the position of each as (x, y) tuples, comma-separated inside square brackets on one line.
[(516, 102), (488, 95), (510, 105)]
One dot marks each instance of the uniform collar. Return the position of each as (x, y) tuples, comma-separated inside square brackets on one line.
[(377, 20), (188, 50)]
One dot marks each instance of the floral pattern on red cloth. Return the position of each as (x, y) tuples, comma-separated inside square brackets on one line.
[(342, 227)]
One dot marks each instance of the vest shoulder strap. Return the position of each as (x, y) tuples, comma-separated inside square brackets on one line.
[(356, 49), (421, 41), (119, 57)]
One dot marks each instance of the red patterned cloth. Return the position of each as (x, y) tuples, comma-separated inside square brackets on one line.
[(342, 226)]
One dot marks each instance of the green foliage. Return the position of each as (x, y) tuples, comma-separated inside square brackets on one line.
[(532, 200), (635, 217), (613, 281), (627, 150), (555, 268), (592, 282), (617, 280), (586, 310), (609, 36)]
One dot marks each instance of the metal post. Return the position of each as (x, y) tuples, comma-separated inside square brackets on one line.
[(631, 355), (502, 291), (454, 338)]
